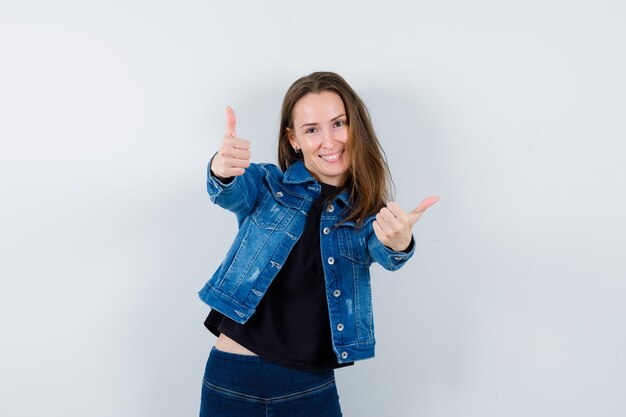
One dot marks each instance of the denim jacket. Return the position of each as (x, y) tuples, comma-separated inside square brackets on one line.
[(271, 209)]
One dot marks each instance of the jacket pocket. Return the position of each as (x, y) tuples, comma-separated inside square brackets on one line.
[(275, 210), (353, 244)]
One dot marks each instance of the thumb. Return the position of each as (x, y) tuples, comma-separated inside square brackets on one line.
[(417, 212), (231, 121)]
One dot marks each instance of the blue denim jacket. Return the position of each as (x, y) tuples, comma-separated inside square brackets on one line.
[(271, 209)]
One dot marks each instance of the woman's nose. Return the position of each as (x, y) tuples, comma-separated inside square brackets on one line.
[(328, 139)]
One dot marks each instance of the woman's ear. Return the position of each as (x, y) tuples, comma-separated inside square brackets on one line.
[(291, 137)]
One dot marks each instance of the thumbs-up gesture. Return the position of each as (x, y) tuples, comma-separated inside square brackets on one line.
[(233, 156), (393, 226)]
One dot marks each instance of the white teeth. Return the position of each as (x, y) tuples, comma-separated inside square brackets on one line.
[(332, 157)]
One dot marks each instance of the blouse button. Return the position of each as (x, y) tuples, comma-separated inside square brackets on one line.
[(340, 327), (330, 208), (279, 194), (326, 230), (331, 260), (344, 355), (336, 293)]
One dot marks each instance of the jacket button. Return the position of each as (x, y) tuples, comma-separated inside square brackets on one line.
[(340, 327), (279, 194), (336, 293), (330, 208), (331, 260), (344, 355), (326, 230)]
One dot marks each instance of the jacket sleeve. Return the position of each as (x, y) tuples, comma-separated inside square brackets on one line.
[(388, 258), (239, 193)]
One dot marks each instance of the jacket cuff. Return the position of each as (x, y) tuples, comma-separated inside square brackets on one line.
[(393, 260), (214, 185)]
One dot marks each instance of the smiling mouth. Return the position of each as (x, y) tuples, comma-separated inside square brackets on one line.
[(332, 157)]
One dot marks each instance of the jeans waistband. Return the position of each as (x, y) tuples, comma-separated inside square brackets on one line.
[(256, 376)]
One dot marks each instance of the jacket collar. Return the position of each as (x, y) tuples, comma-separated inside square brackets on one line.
[(344, 196), (298, 174)]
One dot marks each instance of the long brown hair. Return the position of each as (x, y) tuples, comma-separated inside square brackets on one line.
[(368, 179)]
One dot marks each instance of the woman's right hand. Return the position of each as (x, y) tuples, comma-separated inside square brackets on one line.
[(233, 157)]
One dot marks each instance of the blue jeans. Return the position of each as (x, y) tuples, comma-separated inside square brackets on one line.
[(248, 386)]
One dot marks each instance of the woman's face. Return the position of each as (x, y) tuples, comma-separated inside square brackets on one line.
[(320, 132)]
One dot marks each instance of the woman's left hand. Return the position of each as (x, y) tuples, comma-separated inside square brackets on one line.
[(393, 226)]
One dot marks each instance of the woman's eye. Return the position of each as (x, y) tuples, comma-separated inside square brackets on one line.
[(340, 123), (310, 130)]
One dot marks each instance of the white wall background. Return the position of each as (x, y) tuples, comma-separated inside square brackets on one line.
[(512, 111)]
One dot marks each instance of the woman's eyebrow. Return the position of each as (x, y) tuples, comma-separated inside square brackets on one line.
[(332, 120)]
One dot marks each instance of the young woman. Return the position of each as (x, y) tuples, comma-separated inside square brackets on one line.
[(291, 302)]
